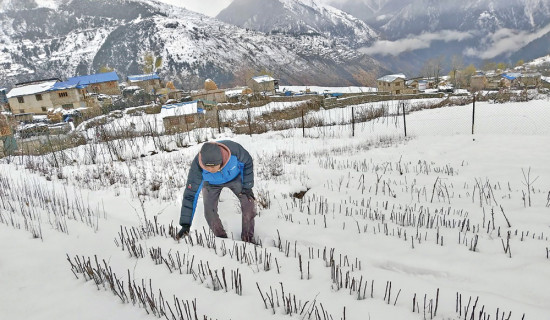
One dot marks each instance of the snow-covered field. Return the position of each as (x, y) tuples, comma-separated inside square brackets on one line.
[(442, 224), (321, 90)]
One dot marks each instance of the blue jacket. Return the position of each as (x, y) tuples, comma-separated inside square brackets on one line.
[(237, 163)]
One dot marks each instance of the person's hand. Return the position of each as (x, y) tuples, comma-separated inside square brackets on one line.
[(184, 231), (249, 194)]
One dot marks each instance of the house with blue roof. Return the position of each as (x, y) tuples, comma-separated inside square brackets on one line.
[(150, 83), (183, 116), (67, 96), (101, 83), (43, 96)]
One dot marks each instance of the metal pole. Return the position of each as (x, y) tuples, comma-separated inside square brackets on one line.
[(303, 125), (473, 113), (404, 118)]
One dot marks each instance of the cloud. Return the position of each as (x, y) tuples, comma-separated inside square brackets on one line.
[(505, 40), (422, 41)]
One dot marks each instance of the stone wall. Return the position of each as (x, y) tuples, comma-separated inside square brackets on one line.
[(330, 103)]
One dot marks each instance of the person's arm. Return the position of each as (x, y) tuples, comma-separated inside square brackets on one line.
[(191, 194)]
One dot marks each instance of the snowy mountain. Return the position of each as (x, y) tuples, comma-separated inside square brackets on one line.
[(484, 16), (374, 12), (414, 31), (58, 38), (298, 17)]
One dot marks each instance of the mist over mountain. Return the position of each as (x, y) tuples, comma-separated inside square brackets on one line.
[(477, 31)]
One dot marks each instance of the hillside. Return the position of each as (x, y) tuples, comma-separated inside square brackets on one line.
[(81, 36)]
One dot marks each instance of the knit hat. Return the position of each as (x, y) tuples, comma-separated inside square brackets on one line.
[(211, 154)]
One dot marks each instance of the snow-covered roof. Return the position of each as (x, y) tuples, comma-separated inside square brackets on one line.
[(3, 89), (31, 89), (392, 77), (94, 78), (531, 75), (132, 88), (262, 79), (143, 77), (65, 85), (513, 74), (178, 109)]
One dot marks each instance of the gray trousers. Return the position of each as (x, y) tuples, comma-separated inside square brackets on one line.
[(211, 197)]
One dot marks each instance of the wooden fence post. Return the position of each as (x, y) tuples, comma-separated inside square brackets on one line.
[(352, 122), (249, 125), (219, 125)]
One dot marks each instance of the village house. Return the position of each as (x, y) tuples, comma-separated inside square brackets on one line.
[(210, 95), (496, 81), (413, 84), (68, 96), (478, 82), (42, 97), (512, 79), (150, 82), (530, 80), (31, 97), (396, 84), (264, 84), (181, 117), (101, 83)]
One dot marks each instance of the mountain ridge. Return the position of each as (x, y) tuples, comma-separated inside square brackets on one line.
[(84, 36)]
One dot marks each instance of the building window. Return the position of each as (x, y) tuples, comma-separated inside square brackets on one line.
[(63, 94), (20, 100), (67, 106), (21, 110), (38, 97), (44, 109)]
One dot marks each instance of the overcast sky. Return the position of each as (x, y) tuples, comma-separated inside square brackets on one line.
[(207, 7)]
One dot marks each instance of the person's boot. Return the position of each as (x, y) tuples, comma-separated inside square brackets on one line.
[(249, 240)]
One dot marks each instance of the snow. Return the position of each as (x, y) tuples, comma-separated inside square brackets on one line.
[(321, 90), (539, 61), (392, 77), (31, 89), (143, 77), (262, 79), (439, 173), (259, 111), (179, 109)]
